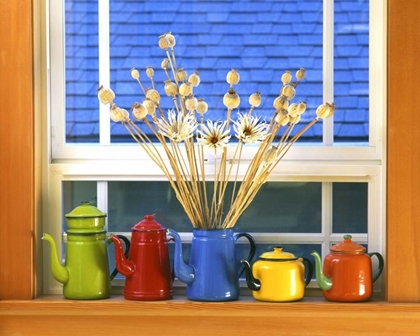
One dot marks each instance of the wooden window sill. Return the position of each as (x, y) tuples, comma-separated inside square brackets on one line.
[(54, 315)]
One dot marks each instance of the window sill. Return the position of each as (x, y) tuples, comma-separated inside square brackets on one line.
[(316, 316)]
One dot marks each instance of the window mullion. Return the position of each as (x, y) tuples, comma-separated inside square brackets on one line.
[(328, 68), (102, 198), (327, 215), (104, 69)]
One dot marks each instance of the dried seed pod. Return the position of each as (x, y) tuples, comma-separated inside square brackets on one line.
[(270, 155), (171, 39), (181, 75), (185, 89), (282, 117), (300, 74), (105, 95), (202, 106), (139, 111), (170, 88), (125, 113), (292, 109), (194, 79), (150, 72), (325, 110), (255, 99), (134, 73), (295, 119), (231, 99), (288, 91), (232, 77), (150, 106), (301, 107), (191, 104), (163, 42), (280, 103), (153, 95), (286, 78), (165, 64), (116, 114)]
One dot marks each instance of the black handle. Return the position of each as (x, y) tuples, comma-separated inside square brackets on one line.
[(251, 249), (309, 271), (127, 250), (380, 266)]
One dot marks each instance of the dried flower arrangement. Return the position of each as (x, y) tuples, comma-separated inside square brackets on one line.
[(184, 166)]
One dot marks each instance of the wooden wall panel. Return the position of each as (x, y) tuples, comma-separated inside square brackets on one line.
[(16, 150), (403, 167)]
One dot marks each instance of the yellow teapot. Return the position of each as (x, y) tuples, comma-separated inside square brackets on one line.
[(278, 276)]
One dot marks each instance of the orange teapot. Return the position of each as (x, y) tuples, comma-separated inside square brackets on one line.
[(347, 273)]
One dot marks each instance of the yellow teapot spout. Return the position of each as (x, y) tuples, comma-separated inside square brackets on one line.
[(252, 283), (60, 273)]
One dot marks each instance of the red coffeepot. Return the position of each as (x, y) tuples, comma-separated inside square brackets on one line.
[(147, 270)]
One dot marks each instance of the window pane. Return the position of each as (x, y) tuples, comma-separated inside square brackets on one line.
[(81, 52), (278, 207), (351, 70), (350, 207), (259, 39)]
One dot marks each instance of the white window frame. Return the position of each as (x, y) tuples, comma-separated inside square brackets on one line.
[(104, 162)]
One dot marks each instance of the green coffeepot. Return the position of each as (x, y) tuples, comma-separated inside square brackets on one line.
[(85, 275)]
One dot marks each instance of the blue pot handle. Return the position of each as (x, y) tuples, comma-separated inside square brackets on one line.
[(251, 249)]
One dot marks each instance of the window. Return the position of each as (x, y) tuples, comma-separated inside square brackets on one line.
[(331, 181)]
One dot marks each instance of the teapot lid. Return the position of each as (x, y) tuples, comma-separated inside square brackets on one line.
[(85, 210), (148, 224), (347, 246), (278, 254)]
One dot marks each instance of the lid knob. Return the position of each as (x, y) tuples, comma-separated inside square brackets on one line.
[(348, 246), (148, 224)]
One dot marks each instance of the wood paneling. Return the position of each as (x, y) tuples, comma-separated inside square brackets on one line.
[(403, 167), (16, 150)]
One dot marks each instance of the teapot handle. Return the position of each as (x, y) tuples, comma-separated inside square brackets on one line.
[(309, 271), (251, 249), (127, 250), (380, 266)]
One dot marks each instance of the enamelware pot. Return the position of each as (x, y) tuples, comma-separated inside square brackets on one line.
[(278, 276), (347, 272)]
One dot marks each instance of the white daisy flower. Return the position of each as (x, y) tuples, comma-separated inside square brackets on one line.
[(178, 127), (249, 129), (214, 135)]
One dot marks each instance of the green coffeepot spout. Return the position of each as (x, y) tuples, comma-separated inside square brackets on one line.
[(60, 273)]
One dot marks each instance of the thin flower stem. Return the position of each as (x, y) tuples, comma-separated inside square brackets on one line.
[(142, 88), (173, 57), (173, 67)]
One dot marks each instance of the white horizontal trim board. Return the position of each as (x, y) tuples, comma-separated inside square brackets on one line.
[(298, 151), (148, 171)]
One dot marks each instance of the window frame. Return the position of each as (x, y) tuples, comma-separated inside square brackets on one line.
[(326, 163)]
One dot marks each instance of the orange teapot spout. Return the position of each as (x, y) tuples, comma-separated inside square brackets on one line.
[(322, 280)]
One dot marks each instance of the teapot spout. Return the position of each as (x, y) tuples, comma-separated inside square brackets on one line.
[(323, 281), (183, 272), (60, 273), (124, 266), (252, 283)]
